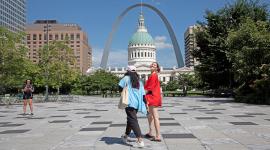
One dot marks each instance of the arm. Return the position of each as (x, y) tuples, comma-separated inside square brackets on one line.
[(120, 89), (122, 83), (151, 83), (32, 89)]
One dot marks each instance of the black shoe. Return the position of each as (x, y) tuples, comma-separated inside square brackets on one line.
[(31, 114), (156, 140), (148, 136)]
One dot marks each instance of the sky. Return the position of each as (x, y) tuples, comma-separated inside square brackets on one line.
[(96, 18)]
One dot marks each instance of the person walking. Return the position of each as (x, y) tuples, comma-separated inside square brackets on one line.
[(153, 98), (135, 104), (28, 90)]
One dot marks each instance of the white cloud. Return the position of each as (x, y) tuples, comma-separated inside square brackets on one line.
[(117, 57), (161, 42)]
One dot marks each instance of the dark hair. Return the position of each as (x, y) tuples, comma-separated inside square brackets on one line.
[(134, 78), (29, 80), (158, 68)]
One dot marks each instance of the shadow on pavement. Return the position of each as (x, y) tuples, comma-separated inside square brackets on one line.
[(113, 140)]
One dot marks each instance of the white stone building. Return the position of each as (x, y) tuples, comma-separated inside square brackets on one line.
[(142, 52)]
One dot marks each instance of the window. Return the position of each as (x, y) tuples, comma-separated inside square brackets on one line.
[(72, 36), (28, 37), (34, 37), (50, 37), (78, 36), (141, 54), (145, 54), (56, 37), (164, 79), (138, 54), (40, 37), (62, 37)]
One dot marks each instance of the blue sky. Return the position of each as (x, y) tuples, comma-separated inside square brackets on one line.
[(97, 16)]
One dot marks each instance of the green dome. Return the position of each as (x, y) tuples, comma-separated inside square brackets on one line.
[(141, 38)]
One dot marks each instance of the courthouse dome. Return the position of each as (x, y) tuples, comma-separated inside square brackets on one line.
[(141, 37)]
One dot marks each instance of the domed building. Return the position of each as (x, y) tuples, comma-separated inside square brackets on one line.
[(141, 47), (142, 53)]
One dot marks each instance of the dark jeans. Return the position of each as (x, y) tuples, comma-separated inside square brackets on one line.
[(132, 122)]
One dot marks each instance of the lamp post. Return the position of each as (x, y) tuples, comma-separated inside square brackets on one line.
[(46, 29)]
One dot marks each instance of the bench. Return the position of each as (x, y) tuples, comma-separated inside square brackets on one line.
[(173, 94), (9, 100)]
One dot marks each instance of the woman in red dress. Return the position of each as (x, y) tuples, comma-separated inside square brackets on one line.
[(153, 97)]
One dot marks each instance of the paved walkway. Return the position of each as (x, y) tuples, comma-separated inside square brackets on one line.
[(96, 124)]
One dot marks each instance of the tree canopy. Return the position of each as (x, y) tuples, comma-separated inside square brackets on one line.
[(233, 44)]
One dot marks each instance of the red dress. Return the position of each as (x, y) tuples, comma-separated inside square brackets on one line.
[(152, 85)]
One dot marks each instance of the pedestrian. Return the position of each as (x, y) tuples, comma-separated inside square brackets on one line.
[(135, 104), (153, 98), (28, 90)]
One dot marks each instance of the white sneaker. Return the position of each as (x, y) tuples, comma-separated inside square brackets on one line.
[(138, 144), (124, 138)]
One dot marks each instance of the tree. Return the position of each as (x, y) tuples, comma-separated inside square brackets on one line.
[(250, 57), (215, 69), (57, 65), (100, 81), (172, 85), (15, 68)]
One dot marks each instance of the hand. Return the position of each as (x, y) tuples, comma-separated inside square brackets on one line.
[(147, 107)]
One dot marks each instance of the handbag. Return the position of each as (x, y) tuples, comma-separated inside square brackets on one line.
[(123, 103)]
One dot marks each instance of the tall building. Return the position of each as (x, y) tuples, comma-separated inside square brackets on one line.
[(13, 14), (190, 45), (78, 40)]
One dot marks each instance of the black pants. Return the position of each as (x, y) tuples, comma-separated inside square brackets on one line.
[(132, 122)]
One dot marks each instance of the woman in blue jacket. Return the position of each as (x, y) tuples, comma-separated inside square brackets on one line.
[(136, 104)]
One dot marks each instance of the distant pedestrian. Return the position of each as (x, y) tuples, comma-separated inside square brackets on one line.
[(28, 90), (135, 104), (153, 98)]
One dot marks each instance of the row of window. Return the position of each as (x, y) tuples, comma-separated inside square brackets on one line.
[(142, 55), (12, 17), (40, 42), (20, 3), (141, 45), (53, 37), (12, 21), (15, 11), (10, 27)]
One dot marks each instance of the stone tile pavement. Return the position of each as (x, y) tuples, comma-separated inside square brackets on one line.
[(95, 123)]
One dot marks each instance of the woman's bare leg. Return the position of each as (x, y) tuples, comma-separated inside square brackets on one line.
[(24, 105), (150, 122), (156, 121), (31, 105)]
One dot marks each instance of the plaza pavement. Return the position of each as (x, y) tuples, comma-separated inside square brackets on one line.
[(95, 123)]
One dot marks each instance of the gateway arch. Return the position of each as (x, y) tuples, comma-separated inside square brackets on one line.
[(107, 47)]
